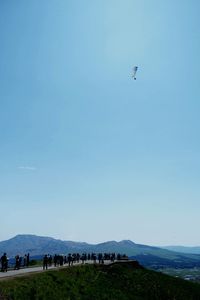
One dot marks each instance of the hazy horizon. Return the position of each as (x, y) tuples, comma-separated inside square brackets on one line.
[(86, 152), (99, 242)]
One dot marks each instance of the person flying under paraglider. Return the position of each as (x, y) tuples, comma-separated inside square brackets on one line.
[(134, 72)]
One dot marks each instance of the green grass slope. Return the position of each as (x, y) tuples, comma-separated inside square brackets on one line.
[(119, 281)]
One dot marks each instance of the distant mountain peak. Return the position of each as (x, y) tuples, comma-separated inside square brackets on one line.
[(127, 242), (30, 236)]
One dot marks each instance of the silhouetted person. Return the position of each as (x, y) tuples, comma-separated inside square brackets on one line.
[(50, 260), (17, 262), (69, 258), (78, 257), (94, 257), (4, 263), (118, 256), (112, 257), (28, 259), (100, 257), (61, 260), (55, 260), (45, 262), (25, 260)]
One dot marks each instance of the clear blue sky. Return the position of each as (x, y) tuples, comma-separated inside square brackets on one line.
[(87, 153)]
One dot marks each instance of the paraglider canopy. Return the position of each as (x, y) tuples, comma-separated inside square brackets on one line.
[(135, 68)]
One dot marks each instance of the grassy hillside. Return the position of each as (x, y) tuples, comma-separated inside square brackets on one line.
[(118, 281)]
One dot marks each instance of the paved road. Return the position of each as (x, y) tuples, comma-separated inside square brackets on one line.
[(15, 273), (29, 270), (12, 273)]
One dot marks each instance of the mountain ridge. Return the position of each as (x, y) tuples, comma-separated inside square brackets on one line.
[(183, 249), (150, 256)]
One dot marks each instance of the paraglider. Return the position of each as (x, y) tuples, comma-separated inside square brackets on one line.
[(134, 72)]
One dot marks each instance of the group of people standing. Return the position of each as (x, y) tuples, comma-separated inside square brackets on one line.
[(70, 259), (59, 260), (19, 262)]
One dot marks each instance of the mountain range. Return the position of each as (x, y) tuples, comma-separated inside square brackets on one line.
[(150, 256), (184, 249)]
